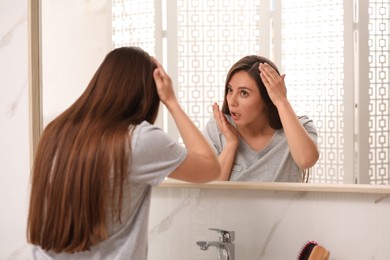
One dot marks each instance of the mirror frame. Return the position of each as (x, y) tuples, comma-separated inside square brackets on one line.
[(34, 74), (36, 122)]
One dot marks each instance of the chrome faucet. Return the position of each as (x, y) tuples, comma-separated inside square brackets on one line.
[(225, 244)]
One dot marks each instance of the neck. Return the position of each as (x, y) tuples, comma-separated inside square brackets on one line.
[(260, 127)]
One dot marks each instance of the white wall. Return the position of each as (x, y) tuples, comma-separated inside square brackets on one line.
[(269, 225), (14, 115), (14, 125)]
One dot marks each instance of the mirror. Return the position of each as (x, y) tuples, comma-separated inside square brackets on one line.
[(76, 35), (72, 50)]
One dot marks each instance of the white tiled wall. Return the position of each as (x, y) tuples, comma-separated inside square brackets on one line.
[(269, 225)]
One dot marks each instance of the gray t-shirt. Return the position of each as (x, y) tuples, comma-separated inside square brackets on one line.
[(154, 156), (274, 163)]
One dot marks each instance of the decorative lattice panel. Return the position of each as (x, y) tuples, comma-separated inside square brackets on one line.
[(379, 38), (133, 24), (212, 36), (313, 60)]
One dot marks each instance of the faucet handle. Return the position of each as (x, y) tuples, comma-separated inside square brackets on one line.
[(224, 235)]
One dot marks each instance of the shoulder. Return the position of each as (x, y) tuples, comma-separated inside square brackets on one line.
[(154, 154), (212, 130), (212, 123), (146, 133), (144, 128), (307, 123), (211, 127), (305, 120)]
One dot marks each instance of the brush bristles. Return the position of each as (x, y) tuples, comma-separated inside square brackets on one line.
[(304, 253)]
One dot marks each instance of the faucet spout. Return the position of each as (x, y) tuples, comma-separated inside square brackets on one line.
[(203, 245), (225, 249), (225, 244)]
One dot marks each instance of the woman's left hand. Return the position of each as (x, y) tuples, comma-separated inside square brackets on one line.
[(274, 83), (228, 130)]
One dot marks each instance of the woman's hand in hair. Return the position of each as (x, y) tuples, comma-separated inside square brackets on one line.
[(274, 83), (201, 163), (303, 149), (163, 84)]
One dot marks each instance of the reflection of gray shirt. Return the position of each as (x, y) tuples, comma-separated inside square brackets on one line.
[(154, 156), (272, 164)]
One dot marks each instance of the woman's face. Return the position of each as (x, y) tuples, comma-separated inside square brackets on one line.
[(244, 100)]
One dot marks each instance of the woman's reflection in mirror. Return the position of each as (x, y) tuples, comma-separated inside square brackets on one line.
[(257, 135)]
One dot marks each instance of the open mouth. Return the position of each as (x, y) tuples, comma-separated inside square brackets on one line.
[(235, 115)]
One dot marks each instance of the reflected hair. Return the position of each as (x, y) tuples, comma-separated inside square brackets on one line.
[(250, 64), (83, 155)]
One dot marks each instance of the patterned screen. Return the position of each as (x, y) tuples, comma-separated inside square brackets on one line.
[(133, 24), (313, 60), (212, 36), (379, 40)]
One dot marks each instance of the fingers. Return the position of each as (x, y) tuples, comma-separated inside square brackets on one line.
[(220, 118), (273, 82), (163, 84), (217, 115), (160, 68), (159, 73), (156, 62), (270, 76), (157, 77), (267, 73), (267, 69)]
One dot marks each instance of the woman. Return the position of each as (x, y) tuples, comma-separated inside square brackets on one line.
[(257, 135), (97, 161)]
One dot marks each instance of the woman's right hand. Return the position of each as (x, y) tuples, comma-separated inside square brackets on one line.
[(227, 155), (163, 84), (228, 130), (201, 163)]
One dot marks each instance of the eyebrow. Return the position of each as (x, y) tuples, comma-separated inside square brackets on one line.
[(241, 88)]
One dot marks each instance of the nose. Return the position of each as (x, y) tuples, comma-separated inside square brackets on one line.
[(232, 99)]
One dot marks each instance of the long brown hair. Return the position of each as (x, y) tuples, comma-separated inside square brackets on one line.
[(250, 64), (83, 155)]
